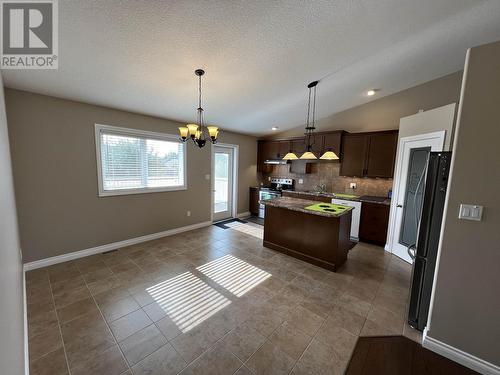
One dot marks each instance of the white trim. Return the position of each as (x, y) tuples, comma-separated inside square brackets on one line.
[(441, 134), (243, 214), (26, 340), (234, 198), (459, 356), (142, 134), (111, 246)]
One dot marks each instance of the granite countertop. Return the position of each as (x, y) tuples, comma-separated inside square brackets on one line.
[(299, 204), (364, 198)]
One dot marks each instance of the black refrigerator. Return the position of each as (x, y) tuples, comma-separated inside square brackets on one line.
[(429, 230)]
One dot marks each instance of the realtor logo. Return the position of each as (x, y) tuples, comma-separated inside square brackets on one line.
[(29, 34)]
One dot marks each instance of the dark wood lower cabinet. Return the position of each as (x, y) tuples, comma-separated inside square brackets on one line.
[(374, 222), (254, 201), (323, 241)]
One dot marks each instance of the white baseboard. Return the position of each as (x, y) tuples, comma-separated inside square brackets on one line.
[(111, 246), (243, 214), (26, 342), (459, 356)]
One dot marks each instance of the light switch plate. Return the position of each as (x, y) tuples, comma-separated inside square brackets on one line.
[(470, 212), (301, 181)]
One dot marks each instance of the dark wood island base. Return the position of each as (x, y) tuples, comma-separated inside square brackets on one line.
[(320, 240)]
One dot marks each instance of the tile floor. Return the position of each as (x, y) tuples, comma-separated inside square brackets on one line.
[(210, 301)]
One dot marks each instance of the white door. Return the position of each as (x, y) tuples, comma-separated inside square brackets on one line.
[(223, 159), (413, 157)]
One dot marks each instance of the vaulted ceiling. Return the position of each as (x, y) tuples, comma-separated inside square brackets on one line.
[(258, 55)]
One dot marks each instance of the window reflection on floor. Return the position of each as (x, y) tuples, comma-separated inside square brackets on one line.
[(187, 300), (233, 274)]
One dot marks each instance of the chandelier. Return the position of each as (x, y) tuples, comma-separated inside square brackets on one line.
[(198, 132)]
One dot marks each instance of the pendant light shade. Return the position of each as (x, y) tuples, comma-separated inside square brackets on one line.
[(308, 155), (329, 155), (290, 156), (197, 131)]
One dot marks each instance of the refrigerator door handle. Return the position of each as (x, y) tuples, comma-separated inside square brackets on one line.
[(412, 251)]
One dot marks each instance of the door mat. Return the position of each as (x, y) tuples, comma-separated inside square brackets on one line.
[(223, 225)]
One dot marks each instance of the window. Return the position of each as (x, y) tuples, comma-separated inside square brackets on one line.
[(133, 161)]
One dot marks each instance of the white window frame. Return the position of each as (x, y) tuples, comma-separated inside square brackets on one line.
[(141, 133)]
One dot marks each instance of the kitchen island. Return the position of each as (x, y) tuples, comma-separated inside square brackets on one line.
[(318, 233)]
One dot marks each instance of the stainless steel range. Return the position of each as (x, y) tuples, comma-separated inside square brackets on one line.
[(274, 191)]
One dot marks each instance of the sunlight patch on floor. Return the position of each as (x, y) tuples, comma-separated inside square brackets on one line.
[(247, 228), (187, 300), (233, 274)]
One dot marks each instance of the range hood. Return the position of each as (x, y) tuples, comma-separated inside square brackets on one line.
[(276, 161)]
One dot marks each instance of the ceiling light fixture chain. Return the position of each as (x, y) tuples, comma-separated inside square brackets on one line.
[(309, 136), (197, 131)]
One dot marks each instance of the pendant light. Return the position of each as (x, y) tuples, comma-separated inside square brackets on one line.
[(309, 154), (197, 131)]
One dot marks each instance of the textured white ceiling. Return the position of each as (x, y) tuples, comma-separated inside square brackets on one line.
[(258, 55)]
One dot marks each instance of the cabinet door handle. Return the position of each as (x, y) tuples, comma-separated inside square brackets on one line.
[(399, 206)]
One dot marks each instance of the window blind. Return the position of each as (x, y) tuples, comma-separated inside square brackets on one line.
[(130, 161)]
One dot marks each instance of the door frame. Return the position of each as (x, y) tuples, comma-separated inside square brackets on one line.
[(234, 193), (400, 168)]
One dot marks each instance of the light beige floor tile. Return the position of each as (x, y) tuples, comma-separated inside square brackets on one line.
[(386, 318), (142, 343), (243, 370), (269, 359), (354, 304), (338, 339), (129, 324), (164, 361), (340, 317), (319, 359), (116, 309), (168, 328), (216, 361), (243, 341), (304, 320), (290, 340)]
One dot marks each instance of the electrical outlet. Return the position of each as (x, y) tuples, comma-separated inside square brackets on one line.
[(207, 177), (301, 181), (188, 213), (353, 185)]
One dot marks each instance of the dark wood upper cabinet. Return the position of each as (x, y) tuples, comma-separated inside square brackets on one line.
[(369, 154), (284, 147), (354, 147), (381, 154), (331, 142), (298, 146)]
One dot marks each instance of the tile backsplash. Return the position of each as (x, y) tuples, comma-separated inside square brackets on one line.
[(327, 173)]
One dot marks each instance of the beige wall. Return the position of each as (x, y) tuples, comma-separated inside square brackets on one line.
[(384, 113), (55, 174), (11, 272), (466, 303)]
